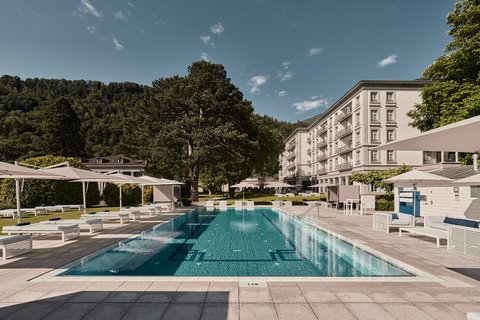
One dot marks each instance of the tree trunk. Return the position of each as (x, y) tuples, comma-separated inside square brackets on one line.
[(231, 191), (193, 174)]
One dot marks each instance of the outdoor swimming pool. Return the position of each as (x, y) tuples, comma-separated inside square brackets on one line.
[(262, 242)]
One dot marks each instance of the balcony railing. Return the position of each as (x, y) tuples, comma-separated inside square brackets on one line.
[(321, 130), (345, 115), (321, 171), (344, 149), (345, 166), (322, 157), (344, 132), (291, 155), (309, 140), (291, 145), (375, 142), (309, 151), (322, 144), (291, 166), (391, 122)]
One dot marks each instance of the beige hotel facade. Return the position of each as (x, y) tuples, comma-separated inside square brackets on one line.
[(338, 143)]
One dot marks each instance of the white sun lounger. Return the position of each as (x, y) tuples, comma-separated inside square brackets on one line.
[(222, 204), (250, 205), (238, 205), (11, 213), (209, 204), (92, 225), (67, 231), (123, 216), (12, 246)]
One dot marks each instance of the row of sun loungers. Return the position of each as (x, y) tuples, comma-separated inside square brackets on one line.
[(11, 213), (222, 204), (19, 237)]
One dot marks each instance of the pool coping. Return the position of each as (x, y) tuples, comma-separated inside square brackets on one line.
[(418, 275)]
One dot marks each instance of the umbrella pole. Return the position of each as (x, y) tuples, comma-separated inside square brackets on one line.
[(120, 195), (414, 198), (84, 191), (143, 196), (17, 190)]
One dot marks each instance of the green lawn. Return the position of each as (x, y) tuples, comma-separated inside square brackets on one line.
[(66, 215), (257, 197)]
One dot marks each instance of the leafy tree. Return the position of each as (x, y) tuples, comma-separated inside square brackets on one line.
[(61, 127), (186, 124), (454, 91), (376, 177)]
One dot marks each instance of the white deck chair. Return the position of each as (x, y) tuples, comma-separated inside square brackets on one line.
[(123, 216), (12, 246), (250, 204), (222, 204), (67, 231), (210, 204)]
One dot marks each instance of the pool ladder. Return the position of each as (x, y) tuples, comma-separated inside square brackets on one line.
[(304, 214)]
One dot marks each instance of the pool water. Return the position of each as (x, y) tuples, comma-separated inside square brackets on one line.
[(262, 242)]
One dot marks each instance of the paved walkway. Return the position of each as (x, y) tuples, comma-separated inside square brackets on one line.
[(450, 298)]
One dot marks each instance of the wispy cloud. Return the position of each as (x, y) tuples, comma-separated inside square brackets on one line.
[(91, 29), (308, 105), (217, 28), (130, 4), (116, 44), (205, 57), (119, 15), (282, 93), (314, 52), (207, 40), (87, 7), (256, 82), (285, 74), (391, 59)]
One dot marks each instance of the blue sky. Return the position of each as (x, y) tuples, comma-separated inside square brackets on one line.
[(292, 59)]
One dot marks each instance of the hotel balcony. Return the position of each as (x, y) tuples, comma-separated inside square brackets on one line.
[(342, 133), (322, 144), (291, 145), (391, 123), (309, 151), (309, 140), (291, 155), (291, 166), (321, 171), (344, 149), (345, 115), (375, 142), (345, 166), (322, 157), (322, 130)]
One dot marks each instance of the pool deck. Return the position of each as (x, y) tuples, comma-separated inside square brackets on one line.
[(453, 291)]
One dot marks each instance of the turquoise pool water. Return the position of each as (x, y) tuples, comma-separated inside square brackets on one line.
[(262, 242)]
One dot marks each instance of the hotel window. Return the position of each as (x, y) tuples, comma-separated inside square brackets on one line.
[(374, 115), (374, 156), (373, 96), (391, 115), (357, 100), (357, 138), (390, 135), (374, 136), (390, 156), (475, 192), (390, 96), (357, 156)]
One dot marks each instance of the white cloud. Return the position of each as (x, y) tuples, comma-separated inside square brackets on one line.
[(285, 74), (119, 15), (205, 57), (314, 52), (207, 40), (87, 7), (217, 28), (256, 82), (91, 29), (130, 4), (308, 105), (116, 44), (391, 59), (282, 93)]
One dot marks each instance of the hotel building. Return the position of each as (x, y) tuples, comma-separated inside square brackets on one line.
[(339, 142)]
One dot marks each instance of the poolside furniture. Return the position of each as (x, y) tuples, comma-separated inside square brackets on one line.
[(67, 231), (290, 194), (36, 211), (463, 234), (238, 204), (79, 207), (386, 221), (92, 225), (348, 205), (310, 203), (426, 232), (209, 204), (12, 246), (222, 204), (11, 213), (250, 204), (287, 203), (276, 203), (123, 216), (473, 315)]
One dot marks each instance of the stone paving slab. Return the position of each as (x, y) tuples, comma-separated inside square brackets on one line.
[(450, 297)]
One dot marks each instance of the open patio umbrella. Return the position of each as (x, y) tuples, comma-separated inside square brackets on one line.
[(242, 185), (126, 179), (17, 172), (458, 136), (414, 178), (80, 175), (278, 185)]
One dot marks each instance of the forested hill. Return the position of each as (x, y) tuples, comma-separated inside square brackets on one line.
[(101, 108)]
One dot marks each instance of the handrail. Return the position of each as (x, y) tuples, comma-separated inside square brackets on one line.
[(308, 210)]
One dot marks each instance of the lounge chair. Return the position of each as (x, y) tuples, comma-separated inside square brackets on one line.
[(12, 246), (67, 231), (238, 205), (276, 203), (387, 221), (222, 204), (92, 225), (11, 213), (123, 216), (250, 204), (287, 203), (209, 204)]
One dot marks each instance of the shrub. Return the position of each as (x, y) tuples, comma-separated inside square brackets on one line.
[(131, 195), (384, 203), (186, 201)]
